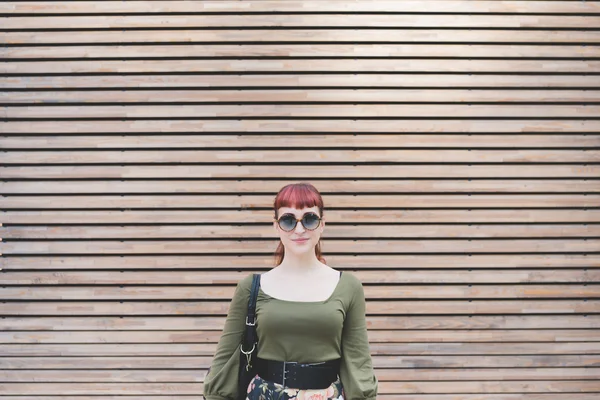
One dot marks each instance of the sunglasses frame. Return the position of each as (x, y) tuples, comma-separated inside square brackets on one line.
[(298, 220)]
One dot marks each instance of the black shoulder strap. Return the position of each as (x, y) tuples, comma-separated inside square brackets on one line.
[(250, 337)]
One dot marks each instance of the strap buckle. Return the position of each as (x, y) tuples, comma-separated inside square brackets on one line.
[(250, 324), (285, 363)]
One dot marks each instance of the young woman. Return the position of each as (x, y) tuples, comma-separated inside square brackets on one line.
[(310, 318)]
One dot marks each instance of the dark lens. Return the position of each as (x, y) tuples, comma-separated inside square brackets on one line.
[(310, 221), (287, 222)]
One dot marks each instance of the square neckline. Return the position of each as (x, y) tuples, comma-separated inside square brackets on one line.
[(307, 302)]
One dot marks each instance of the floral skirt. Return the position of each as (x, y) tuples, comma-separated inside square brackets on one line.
[(261, 389)]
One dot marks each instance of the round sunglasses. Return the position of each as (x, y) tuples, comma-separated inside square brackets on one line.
[(288, 222)]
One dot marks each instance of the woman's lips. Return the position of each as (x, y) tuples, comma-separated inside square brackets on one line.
[(300, 240)]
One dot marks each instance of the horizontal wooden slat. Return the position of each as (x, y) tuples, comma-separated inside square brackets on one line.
[(434, 21), (251, 132), (530, 396), (169, 337), (161, 216), (300, 172), (410, 111), (294, 66), (295, 81), (331, 186), (287, 156), (260, 263), (374, 323), (304, 96), (454, 6), (433, 36), (87, 357), (434, 307), (184, 389), (384, 374), (333, 231), (474, 51), (214, 292), (264, 246), (240, 201), (398, 276), (552, 350)]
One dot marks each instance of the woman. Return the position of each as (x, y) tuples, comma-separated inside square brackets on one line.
[(309, 316)]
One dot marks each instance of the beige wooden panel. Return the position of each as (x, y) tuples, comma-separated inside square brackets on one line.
[(294, 81), (239, 201), (340, 186), (260, 263), (465, 230), (297, 111), (434, 21), (374, 323), (556, 350), (188, 375), (161, 216), (449, 50), (408, 361), (291, 155), (433, 36), (213, 292), (522, 306), (185, 388), (398, 276), (260, 246), (168, 337), (300, 172), (294, 66), (304, 95), (242, 130), (532, 137), (454, 6)]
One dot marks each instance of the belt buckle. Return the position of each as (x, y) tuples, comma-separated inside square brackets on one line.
[(285, 363)]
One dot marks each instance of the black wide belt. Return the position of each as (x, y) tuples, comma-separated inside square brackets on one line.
[(297, 375)]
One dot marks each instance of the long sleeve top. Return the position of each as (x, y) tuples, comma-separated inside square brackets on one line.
[(304, 332)]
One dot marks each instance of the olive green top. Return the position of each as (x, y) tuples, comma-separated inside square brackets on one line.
[(299, 331)]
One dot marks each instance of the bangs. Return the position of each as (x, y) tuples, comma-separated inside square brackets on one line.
[(298, 195)]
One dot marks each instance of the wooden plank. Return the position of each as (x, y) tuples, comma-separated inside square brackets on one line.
[(554, 351), (389, 292), (447, 50), (315, 172), (434, 21), (339, 186), (264, 246), (169, 337), (162, 216), (192, 361), (397, 276), (535, 139), (380, 132), (374, 323), (394, 111), (189, 375), (293, 66), (302, 95), (332, 230), (453, 6), (294, 81), (433, 36), (300, 155), (261, 263), (241, 201)]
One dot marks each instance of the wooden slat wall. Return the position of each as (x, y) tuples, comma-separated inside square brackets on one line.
[(456, 143)]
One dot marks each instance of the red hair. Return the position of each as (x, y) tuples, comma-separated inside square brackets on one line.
[(298, 195)]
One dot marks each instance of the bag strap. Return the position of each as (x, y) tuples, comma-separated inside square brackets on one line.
[(250, 338)]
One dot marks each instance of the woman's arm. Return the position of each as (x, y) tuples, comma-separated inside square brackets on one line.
[(222, 379), (356, 370)]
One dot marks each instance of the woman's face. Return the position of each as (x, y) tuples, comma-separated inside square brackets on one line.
[(290, 239)]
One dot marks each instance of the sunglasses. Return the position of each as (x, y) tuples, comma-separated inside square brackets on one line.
[(288, 222)]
